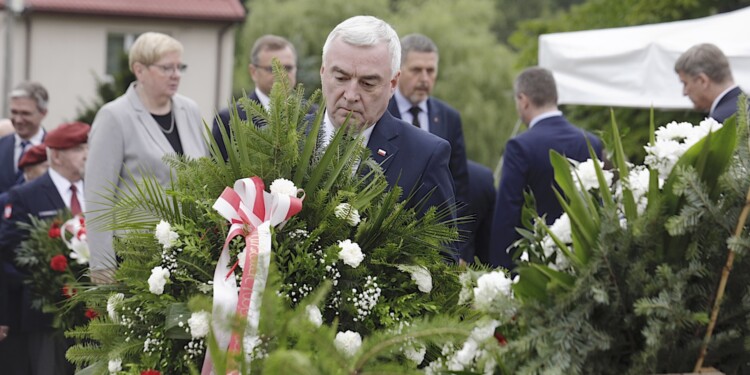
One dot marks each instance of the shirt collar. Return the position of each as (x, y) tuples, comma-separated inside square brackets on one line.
[(63, 187), (721, 96), (329, 130), (544, 116), (35, 139), (404, 104), (265, 101)]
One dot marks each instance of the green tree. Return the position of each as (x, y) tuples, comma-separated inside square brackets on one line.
[(475, 68)]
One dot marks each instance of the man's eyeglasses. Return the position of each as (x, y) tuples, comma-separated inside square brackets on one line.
[(288, 68), (171, 69)]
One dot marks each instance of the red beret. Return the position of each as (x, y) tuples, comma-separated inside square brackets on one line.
[(34, 155), (68, 135)]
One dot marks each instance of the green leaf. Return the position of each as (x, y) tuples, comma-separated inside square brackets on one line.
[(177, 313)]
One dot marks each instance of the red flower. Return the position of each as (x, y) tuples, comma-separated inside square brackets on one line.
[(150, 372), (68, 292), (500, 339), (54, 230), (59, 263), (91, 314)]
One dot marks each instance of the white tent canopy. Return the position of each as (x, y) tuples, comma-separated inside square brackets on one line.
[(634, 66)]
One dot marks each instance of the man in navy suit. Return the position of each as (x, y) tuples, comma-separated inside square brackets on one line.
[(265, 49), (480, 206), (707, 80), (419, 68), (30, 345), (359, 74), (33, 164), (28, 107), (526, 163)]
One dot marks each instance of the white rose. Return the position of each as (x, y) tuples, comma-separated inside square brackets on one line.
[(420, 275), (345, 211), (348, 343), (199, 324), (283, 186), (114, 366), (112, 303), (165, 235), (314, 315), (351, 253), (158, 279)]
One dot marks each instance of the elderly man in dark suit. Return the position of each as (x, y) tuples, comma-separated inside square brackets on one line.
[(28, 107), (30, 345), (707, 80), (265, 49), (526, 163), (359, 74)]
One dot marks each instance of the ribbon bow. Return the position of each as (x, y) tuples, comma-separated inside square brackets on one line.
[(251, 211)]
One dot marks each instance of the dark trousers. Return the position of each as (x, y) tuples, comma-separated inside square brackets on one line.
[(34, 353)]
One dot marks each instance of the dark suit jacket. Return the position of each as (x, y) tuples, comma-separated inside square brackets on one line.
[(223, 116), (445, 122), (727, 105), (41, 199), (8, 176), (414, 160), (527, 167), (480, 206)]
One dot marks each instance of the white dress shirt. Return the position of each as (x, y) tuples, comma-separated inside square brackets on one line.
[(63, 187)]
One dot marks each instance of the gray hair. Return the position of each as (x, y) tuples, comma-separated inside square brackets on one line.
[(367, 31), (416, 43), (34, 91), (269, 43), (538, 85), (705, 58)]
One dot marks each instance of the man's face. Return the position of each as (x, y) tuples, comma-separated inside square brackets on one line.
[(26, 117), (162, 78), (418, 74), (357, 80), (72, 161), (262, 73), (31, 172), (696, 88)]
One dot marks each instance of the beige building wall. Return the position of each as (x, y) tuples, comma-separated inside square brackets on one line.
[(68, 53)]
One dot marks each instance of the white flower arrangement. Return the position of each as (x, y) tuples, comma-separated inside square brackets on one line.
[(112, 302), (672, 140), (165, 235), (420, 275), (489, 286), (314, 315), (114, 366), (157, 280), (348, 343), (345, 211), (283, 186), (586, 173), (199, 324), (351, 253)]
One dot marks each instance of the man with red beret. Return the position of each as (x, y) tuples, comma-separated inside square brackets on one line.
[(28, 343)]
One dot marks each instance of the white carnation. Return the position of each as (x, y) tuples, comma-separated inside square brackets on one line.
[(420, 275), (199, 324), (114, 366), (345, 211), (489, 286), (348, 343), (351, 253), (674, 131), (314, 315), (165, 235), (112, 303), (586, 172), (415, 354), (283, 186), (484, 332), (561, 228), (158, 279)]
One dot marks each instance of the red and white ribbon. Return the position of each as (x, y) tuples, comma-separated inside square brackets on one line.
[(251, 211)]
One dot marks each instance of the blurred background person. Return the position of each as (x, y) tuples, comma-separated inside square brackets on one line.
[(265, 49), (6, 127), (707, 80), (480, 207), (131, 135), (33, 164), (28, 107)]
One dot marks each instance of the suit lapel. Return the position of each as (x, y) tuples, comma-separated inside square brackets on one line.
[(382, 145), (147, 123), (437, 119), (393, 108), (50, 191)]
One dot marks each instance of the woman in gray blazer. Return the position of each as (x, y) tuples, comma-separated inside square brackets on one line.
[(131, 134)]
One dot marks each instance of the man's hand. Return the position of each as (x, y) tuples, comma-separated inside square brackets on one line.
[(4, 332), (103, 276)]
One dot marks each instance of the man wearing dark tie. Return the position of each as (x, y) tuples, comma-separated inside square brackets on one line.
[(265, 49), (526, 162), (28, 107), (359, 73), (30, 345), (707, 80)]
